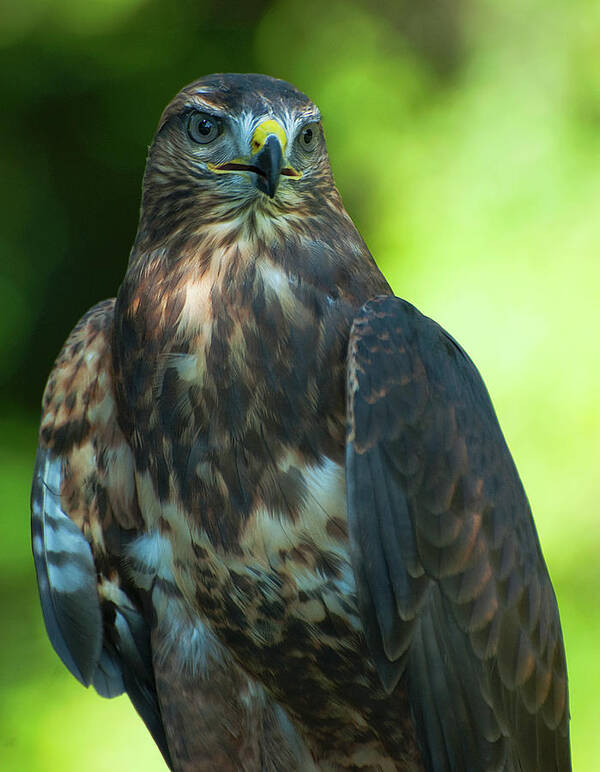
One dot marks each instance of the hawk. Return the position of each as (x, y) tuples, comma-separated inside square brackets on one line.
[(271, 501)]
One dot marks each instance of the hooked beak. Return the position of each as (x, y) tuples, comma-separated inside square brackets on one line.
[(269, 161), (266, 160)]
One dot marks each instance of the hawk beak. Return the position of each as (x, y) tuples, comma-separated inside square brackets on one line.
[(269, 161), (268, 145), (266, 162)]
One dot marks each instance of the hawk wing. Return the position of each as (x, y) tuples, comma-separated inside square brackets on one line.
[(83, 515), (453, 589), (110, 603)]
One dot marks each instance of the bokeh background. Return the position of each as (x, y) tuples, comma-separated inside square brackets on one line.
[(465, 139)]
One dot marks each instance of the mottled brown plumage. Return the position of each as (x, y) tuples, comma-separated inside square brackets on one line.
[(308, 545), (135, 634)]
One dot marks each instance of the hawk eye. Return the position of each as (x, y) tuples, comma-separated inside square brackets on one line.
[(308, 136), (203, 127)]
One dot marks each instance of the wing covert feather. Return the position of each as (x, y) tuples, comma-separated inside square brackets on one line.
[(443, 542)]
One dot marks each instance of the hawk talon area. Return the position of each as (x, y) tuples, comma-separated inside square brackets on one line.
[(271, 501)]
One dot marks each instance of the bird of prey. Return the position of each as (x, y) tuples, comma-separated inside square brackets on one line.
[(272, 501)]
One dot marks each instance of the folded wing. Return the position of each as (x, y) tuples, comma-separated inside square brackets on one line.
[(83, 516), (453, 589)]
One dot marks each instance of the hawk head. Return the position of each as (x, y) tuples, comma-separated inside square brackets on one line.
[(232, 144)]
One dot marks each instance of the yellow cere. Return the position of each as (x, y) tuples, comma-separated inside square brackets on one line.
[(264, 130)]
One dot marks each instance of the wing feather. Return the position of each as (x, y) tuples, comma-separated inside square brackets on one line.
[(83, 514), (66, 575), (443, 541)]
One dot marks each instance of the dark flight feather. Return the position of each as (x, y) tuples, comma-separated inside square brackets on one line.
[(485, 627), (66, 575)]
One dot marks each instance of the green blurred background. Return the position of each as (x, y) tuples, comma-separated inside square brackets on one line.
[(465, 139)]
